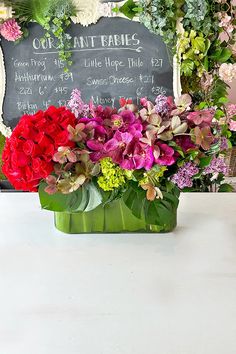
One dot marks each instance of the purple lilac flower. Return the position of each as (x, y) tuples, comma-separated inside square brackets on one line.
[(162, 105), (217, 165), (77, 105), (224, 144), (183, 178)]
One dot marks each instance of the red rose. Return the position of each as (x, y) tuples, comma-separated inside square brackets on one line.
[(27, 155)]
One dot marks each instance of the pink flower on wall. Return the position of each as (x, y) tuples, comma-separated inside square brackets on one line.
[(232, 125), (10, 30)]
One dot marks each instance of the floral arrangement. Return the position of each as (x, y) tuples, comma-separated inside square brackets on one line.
[(81, 156), (201, 34)]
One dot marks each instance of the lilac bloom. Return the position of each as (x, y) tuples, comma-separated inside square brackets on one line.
[(217, 166), (184, 177), (77, 105)]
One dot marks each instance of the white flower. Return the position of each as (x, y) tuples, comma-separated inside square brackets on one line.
[(227, 72), (5, 11), (87, 12)]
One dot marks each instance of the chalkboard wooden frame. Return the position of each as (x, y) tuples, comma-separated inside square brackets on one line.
[(6, 131)]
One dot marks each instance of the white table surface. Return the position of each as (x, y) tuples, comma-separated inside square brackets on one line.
[(118, 294)]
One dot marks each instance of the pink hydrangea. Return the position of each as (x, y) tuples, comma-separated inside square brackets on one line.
[(225, 22), (10, 30), (126, 150), (204, 116)]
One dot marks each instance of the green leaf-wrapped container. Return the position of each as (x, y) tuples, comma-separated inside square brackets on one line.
[(87, 211), (114, 217)]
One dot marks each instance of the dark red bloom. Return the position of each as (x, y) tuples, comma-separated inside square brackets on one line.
[(27, 156), (185, 142)]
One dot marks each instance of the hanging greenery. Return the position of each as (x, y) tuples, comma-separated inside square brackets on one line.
[(53, 15)]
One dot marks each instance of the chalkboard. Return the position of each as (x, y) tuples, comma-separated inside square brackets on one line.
[(112, 59)]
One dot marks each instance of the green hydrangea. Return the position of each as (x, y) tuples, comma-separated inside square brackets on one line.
[(112, 176)]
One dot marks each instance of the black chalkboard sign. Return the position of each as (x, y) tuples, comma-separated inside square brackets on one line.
[(112, 59)]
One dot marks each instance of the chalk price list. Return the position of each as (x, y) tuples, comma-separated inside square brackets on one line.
[(128, 72), (33, 78)]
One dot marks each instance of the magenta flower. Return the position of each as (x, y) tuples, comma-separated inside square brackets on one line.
[(125, 120), (10, 30), (126, 150), (104, 113), (143, 101), (98, 139), (164, 154), (97, 142)]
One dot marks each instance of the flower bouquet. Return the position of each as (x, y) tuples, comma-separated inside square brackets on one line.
[(106, 170)]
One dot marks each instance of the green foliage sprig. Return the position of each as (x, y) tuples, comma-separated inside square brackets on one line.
[(53, 16)]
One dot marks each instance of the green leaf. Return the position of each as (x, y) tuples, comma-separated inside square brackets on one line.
[(219, 113), (226, 188), (216, 55), (206, 63), (128, 9), (207, 46), (199, 44), (176, 147), (202, 105), (223, 100), (187, 67), (225, 55), (157, 212), (205, 161), (86, 198)]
